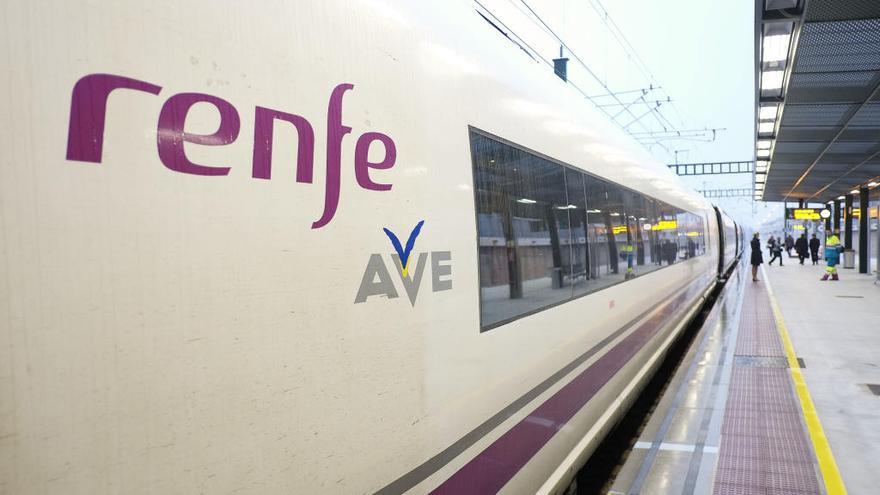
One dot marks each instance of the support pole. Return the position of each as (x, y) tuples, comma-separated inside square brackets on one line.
[(828, 220), (784, 217), (864, 234), (847, 224), (837, 215)]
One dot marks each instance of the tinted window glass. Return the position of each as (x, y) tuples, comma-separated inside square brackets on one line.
[(665, 228), (548, 233), (577, 213), (607, 217), (525, 249), (652, 258)]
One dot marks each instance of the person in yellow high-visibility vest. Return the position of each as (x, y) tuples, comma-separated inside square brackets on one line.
[(628, 252), (832, 256)]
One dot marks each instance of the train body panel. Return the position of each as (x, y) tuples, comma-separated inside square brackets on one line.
[(730, 242), (199, 292)]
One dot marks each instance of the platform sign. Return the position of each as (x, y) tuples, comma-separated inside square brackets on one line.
[(803, 214), (665, 225)]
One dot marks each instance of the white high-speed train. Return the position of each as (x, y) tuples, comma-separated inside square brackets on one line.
[(320, 247)]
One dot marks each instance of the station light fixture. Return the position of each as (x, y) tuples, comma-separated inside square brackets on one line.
[(841, 197), (776, 43), (854, 191), (776, 47), (766, 127), (771, 80), (768, 112), (873, 184)]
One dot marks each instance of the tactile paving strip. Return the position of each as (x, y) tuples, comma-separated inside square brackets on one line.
[(764, 448), (757, 329)]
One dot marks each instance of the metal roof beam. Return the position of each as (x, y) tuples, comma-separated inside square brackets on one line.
[(846, 123)]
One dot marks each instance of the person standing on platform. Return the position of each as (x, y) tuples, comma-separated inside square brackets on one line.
[(771, 243), (814, 249), (757, 256), (801, 248), (628, 254), (789, 243), (832, 256)]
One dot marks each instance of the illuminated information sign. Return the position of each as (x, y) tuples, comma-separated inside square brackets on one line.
[(802, 214)]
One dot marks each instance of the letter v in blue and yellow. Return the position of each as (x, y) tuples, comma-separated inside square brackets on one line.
[(377, 280), (402, 252)]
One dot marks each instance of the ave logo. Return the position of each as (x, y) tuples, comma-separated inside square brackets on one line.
[(377, 279)]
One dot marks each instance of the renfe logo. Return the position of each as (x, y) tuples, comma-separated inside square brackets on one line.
[(85, 136), (376, 269)]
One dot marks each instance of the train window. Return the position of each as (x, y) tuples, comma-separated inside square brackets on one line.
[(577, 213), (697, 234), (665, 228), (651, 234), (682, 219), (608, 217), (548, 232), (640, 210), (525, 245), (690, 235)]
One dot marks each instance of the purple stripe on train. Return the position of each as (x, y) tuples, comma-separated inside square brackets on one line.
[(492, 468)]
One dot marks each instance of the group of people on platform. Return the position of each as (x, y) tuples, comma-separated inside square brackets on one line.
[(803, 248)]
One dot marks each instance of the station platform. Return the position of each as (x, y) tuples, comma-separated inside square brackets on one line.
[(777, 394)]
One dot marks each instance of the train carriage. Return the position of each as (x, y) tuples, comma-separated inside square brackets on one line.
[(320, 247)]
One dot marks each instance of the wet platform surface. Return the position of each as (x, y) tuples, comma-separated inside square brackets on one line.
[(756, 410)]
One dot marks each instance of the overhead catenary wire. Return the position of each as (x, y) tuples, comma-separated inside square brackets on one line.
[(611, 102), (661, 119), (640, 64), (550, 31), (586, 67), (632, 53), (534, 53)]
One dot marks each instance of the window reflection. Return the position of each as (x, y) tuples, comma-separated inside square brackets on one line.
[(580, 248), (525, 247), (548, 233)]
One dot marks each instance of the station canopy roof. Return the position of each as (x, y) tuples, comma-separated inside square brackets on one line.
[(817, 98)]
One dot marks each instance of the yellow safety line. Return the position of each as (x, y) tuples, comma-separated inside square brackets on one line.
[(830, 474)]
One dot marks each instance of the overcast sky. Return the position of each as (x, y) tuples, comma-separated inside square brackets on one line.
[(700, 52)]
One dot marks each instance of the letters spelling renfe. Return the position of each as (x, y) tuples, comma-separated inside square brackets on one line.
[(85, 138)]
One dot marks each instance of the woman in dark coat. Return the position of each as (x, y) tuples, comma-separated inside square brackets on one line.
[(757, 256)]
